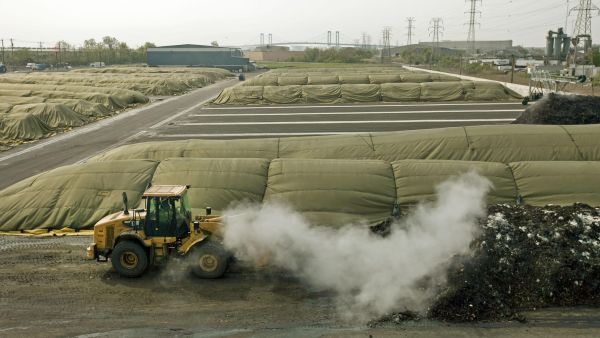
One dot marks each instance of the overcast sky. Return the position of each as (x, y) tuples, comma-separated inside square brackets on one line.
[(239, 22)]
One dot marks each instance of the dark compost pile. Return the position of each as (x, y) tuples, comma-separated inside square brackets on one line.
[(562, 109), (525, 258)]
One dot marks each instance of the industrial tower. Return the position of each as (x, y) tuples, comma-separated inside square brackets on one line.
[(582, 30), (435, 29), (472, 23), (386, 51), (411, 28)]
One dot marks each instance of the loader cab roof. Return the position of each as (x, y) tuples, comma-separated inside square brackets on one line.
[(165, 190)]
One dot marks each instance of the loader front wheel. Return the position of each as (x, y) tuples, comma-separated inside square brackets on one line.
[(129, 259), (209, 260)]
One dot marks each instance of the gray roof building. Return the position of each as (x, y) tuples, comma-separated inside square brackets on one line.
[(198, 56)]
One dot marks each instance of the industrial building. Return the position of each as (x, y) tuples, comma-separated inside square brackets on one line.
[(480, 46), (274, 53), (198, 56)]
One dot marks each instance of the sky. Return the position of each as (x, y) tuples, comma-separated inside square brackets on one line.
[(240, 22)]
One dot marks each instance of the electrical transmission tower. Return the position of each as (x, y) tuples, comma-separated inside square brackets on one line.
[(386, 51), (436, 29), (262, 39), (472, 23), (411, 28), (582, 31)]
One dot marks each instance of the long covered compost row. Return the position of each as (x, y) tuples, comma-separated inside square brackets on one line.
[(332, 180), (351, 93), (37, 105)]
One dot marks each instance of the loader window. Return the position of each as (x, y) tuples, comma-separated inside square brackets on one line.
[(160, 217)]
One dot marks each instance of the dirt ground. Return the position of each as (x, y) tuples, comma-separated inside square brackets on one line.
[(48, 289)]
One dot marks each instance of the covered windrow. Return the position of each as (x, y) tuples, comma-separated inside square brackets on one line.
[(55, 115), (216, 182), (499, 143), (563, 183), (22, 127), (334, 192), (416, 180), (74, 196)]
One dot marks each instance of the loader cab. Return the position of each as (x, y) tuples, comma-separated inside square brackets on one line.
[(168, 212)]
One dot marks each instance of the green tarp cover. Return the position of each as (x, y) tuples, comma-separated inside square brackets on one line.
[(322, 93), (353, 79), (15, 92), (240, 95), (323, 80), (442, 91), (292, 80), (564, 183), (361, 93), (126, 95), (83, 107), (14, 100), (251, 148), (416, 180), (282, 94), (494, 143), (401, 92), (490, 91), (55, 115), (379, 79), (215, 182), (416, 77), (263, 80), (435, 144), (358, 146), (334, 192), (585, 138), (75, 196), (5, 108), (24, 127), (511, 143)]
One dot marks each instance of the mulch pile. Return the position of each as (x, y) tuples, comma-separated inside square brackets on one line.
[(525, 258), (562, 109)]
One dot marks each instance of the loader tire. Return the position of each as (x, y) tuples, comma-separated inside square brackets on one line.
[(209, 260), (129, 259)]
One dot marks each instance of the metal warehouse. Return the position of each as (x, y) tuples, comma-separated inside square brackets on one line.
[(198, 56)]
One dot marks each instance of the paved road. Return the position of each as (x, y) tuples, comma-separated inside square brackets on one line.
[(28, 160), (270, 121)]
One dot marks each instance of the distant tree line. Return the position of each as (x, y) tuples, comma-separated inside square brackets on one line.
[(108, 50), (335, 55)]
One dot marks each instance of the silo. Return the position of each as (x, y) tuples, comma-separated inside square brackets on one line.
[(566, 45), (557, 46), (549, 45)]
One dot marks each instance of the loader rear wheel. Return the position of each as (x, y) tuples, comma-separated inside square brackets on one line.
[(209, 260), (129, 259)]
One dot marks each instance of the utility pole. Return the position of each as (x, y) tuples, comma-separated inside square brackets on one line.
[(512, 71), (435, 29), (270, 39), (12, 49), (411, 27), (386, 51), (472, 23), (337, 39), (364, 40)]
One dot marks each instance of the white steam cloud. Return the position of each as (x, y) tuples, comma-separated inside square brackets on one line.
[(369, 274)]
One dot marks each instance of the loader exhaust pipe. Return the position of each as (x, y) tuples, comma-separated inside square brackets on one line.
[(125, 208)]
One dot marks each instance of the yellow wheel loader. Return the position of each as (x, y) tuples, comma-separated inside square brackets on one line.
[(135, 239)]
